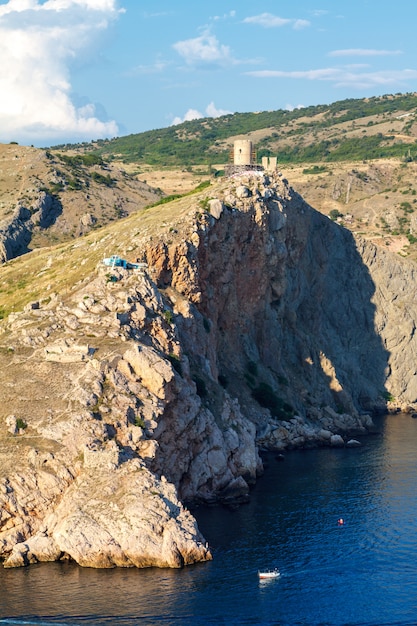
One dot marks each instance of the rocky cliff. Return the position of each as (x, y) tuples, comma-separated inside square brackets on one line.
[(252, 323), (47, 197)]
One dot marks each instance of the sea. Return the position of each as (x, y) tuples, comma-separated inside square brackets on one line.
[(339, 524)]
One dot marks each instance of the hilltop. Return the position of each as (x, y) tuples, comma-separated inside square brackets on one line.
[(354, 160), (351, 129)]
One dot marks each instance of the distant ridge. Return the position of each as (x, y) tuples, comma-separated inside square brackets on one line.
[(352, 129)]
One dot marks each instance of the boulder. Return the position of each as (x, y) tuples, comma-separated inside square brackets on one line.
[(353, 443), (336, 441)]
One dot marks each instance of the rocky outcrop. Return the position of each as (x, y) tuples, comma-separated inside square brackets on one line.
[(260, 326), (15, 234), (16, 231), (116, 517)]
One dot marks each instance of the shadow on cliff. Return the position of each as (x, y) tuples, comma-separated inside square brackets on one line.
[(16, 234), (300, 308), (289, 297), (329, 301)]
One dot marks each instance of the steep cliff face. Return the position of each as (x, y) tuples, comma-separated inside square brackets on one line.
[(280, 296), (258, 323)]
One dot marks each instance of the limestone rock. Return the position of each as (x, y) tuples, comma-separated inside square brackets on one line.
[(142, 525), (353, 443), (215, 208)]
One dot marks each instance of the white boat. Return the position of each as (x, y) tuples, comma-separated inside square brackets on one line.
[(272, 573)]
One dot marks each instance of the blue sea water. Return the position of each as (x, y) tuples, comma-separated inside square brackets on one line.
[(363, 572)]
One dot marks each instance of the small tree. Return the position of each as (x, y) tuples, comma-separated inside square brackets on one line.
[(334, 214)]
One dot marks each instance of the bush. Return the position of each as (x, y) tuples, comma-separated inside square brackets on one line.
[(201, 386), (334, 214), (267, 398), (252, 368), (169, 317), (139, 421), (223, 381), (175, 362)]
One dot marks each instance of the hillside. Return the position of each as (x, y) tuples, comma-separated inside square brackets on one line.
[(346, 130), (46, 198), (248, 321), (353, 159)]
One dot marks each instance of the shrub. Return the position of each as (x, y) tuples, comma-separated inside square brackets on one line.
[(334, 214), (169, 317), (175, 362), (252, 368), (316, 169), (267, 398), (223, 381), (201, 386), (387, 396)]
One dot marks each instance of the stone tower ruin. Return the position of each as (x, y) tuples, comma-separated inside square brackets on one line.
[(243, 158)]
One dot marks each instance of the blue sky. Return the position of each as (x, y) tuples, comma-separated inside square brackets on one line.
[(77, 70)]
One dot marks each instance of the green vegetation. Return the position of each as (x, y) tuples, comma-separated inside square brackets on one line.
[(204, 141), (176, 196), (335, 214), (88, 159), (169, 316), (175, 362), (267, 398), (201, 386), (139, 421), (315, 169), (103, 180), (387, 396), (223, 381)]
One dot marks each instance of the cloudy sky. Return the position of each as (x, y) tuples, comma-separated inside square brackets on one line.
[(77, 70)]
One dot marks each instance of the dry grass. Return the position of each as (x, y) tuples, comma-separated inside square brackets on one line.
[(370, 196), (56, 269)]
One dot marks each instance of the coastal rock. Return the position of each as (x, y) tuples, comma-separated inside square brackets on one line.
[(337, 441), (353, 443), (215, 208), (119, 518)]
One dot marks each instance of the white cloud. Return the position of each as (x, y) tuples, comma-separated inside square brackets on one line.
[(193, 114), (363, 52), (292, 107), (213, 111), (156, 68), (300, 24), (38, 43), (268, 20), (225, 16), (345, 77), (205, 50)]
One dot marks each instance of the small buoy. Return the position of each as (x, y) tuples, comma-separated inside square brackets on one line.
[(340, 521)]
